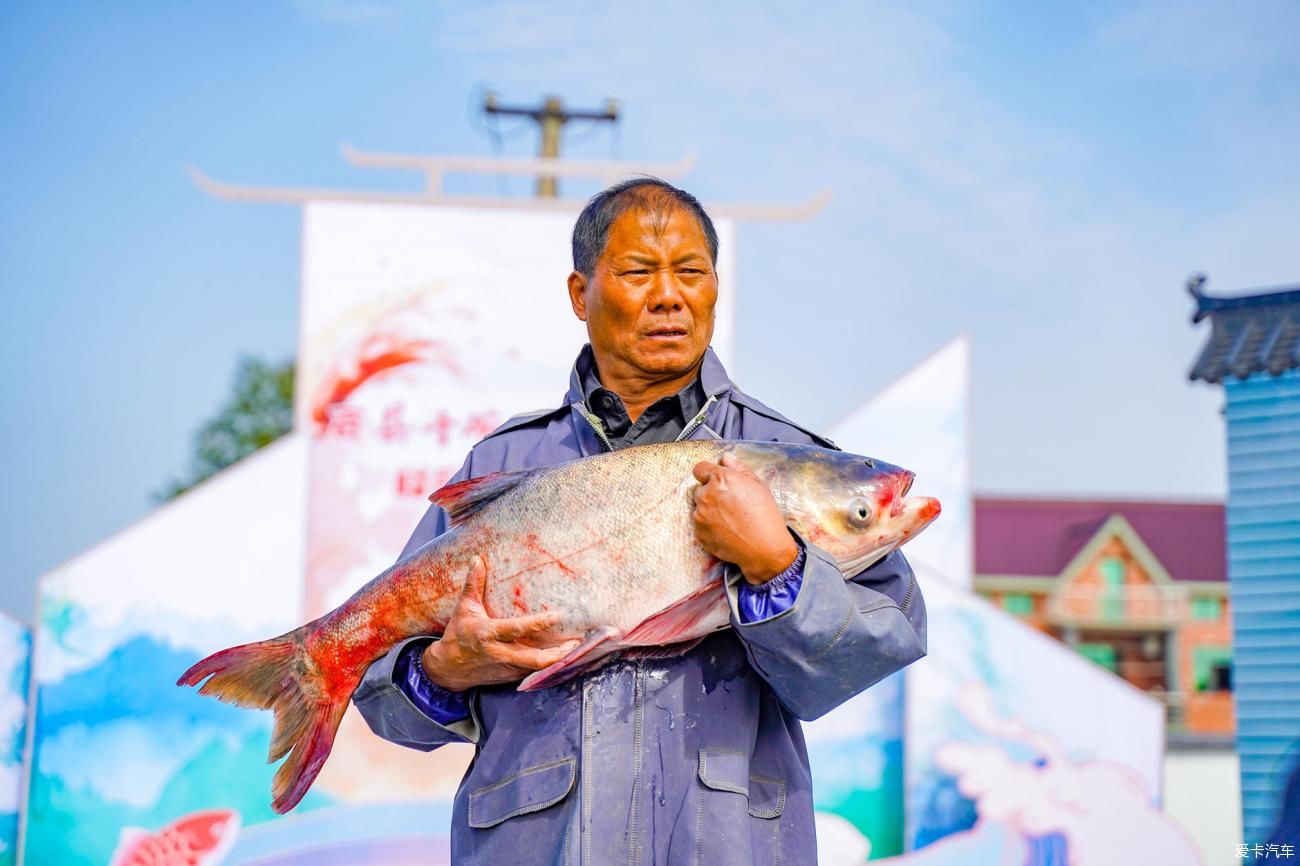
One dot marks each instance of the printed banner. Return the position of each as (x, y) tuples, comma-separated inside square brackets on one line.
[(917, 422), (1019, 750), (15, 659), (124, 764)]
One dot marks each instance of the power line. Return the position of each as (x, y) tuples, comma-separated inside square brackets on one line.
[(551, 116)]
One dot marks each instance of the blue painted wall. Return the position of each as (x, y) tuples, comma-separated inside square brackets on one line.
[(1263, 515)]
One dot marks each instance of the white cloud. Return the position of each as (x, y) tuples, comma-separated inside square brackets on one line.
[(132, 761)]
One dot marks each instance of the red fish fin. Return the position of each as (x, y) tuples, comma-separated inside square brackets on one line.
[(310, 749), (683, 619), (279, 675), (465, 498), (592, 652), (649, 653)]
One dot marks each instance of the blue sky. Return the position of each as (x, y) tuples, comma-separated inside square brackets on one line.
[(1040, 176)]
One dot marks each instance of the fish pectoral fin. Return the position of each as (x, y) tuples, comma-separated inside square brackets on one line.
[(682, 623), (465, 498), (696, 615), (650, 653), (595, 650)]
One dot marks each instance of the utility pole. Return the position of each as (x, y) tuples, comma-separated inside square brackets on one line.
[(551, 117)]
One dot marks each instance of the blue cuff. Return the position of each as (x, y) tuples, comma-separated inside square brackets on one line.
[(442, 705), (757, 603)]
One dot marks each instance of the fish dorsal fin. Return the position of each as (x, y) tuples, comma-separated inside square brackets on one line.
[(464, 499)]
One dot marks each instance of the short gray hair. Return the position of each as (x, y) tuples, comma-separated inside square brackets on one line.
[(591, 231)]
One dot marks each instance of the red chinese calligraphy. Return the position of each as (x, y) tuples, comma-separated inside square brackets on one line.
[(344, 420), (393, 426)]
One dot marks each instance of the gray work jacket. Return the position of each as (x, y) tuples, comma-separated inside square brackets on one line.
[(698, 759)]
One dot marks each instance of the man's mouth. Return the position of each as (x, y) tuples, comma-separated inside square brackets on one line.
[(666, 333)]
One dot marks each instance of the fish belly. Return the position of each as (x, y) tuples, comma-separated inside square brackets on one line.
[(602, 561)]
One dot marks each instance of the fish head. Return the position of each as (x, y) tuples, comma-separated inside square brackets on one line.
[(855, 508)]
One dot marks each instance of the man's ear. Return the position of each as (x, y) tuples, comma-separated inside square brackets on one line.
[(578, 295)]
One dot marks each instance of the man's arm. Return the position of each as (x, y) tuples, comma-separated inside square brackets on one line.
[(839, 637), (421, 693), (388, 699), (824, 640), (391, 713)]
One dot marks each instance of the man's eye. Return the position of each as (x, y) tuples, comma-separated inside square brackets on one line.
[(636, 272)]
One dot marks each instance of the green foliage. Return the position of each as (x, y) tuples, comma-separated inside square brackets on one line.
[(259, 411)]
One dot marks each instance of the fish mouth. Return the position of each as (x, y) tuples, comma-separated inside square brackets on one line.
[(928, 511), (902, 484)]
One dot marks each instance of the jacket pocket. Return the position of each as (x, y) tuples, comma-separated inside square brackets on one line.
[(529, 790), (728, 770)]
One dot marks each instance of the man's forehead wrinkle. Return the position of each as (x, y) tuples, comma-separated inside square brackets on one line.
[(659, 216), (654, 204), (630, 239)]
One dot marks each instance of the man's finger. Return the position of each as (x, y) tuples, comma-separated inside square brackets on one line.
[(521, 626), (475, 582), (535, 659), (732, 461), (704, 470)]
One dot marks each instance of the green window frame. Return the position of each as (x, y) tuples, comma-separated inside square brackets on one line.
[(1103, 654), (1111, 570), (1212, 668), (1207, 607), (1018, 603)]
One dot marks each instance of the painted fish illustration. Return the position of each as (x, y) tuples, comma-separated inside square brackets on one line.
[(198, 839), (607, 542)]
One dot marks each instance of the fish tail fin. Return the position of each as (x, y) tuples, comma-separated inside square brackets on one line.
[(311, 736), (280, 675), (251, 675)]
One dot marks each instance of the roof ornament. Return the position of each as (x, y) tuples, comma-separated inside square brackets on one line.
[(1195, 281)]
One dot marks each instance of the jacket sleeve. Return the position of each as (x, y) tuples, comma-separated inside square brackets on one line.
[(757, 603), (840, 636), (382, 702)]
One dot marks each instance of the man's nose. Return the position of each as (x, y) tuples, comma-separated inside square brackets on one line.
[(665, 293)]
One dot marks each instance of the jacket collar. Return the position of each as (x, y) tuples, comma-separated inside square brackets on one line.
[(713, 377)]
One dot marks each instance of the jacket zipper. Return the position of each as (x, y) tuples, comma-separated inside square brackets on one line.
[(594, 421), (584, 785), (697, 420), (584, 793)]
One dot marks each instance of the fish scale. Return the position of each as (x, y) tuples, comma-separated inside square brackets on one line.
[(606, 542)]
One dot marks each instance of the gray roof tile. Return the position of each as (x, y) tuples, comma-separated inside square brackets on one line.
[(1249, 334)]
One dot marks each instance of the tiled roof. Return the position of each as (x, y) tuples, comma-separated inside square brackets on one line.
[(1039, 537), (1248, 334)]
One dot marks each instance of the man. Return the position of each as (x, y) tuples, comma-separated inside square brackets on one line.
[(692, 759)]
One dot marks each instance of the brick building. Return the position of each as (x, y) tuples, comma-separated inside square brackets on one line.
[(1138, 587)]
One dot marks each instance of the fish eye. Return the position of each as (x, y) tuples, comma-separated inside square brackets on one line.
[(859, 511)]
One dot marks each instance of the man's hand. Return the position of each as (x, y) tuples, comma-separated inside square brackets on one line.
[(738, 521), (479, 650)]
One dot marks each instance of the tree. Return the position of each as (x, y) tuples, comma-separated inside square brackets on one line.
[(259, 411)]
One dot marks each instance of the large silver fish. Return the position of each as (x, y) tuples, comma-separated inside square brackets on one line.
[(606, 542)]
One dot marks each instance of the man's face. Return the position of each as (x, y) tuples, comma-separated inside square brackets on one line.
[(649, 303)]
